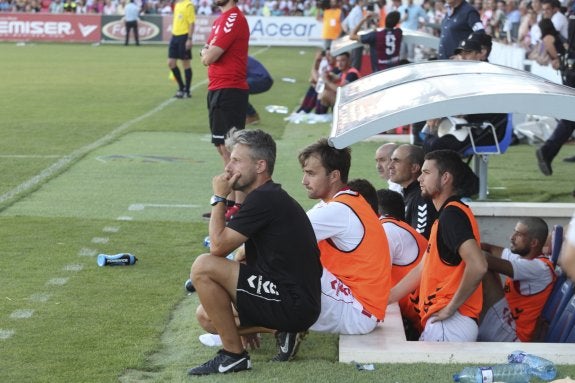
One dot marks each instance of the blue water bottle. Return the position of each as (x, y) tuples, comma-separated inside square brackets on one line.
[(540, 367), (122, 259), (508, 373)]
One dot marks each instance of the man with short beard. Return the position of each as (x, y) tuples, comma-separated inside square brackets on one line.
[(449, 276), (278, 286), (510, 310)]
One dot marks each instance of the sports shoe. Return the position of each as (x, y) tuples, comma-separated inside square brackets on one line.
[(288, 343), (207, 215), (569, 159), (223, 363), (180, 94), (253, 119), (544, 163), (187, 95), (211, 340)]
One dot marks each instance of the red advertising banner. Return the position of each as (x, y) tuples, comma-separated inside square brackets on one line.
[(49, 27)]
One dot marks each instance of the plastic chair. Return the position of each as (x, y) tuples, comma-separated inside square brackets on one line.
[(571, 336), (560, 328), (482, 153), (556, 243)]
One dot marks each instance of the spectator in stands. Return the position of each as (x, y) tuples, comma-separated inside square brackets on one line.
[(552, 42), (349, 24), (487, 15), (259, 81), (511, 24), (404, 169), (552, 10), (528, 18), (384, 44), (382, 162), (510, 310), (56, 6), (535, 32), (353, 248), (449, 276), (412, 16), (331, 21), (69, 6), (332, 81), (204, 8), (109, 8), (278, 286), (460, 21)]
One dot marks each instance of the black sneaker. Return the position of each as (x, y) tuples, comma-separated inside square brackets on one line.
[(544, 163), (288, 343), (223, 363), (180, 94)]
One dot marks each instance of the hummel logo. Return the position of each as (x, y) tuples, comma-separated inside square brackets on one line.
[(224, 369), (230, 22), (285, 347), (85, 30)]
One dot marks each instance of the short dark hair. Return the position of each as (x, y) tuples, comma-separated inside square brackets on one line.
[(367, 191), (330, 157), (536, 228), (261, 144), (449, 161), (391, 203), (392, 19)]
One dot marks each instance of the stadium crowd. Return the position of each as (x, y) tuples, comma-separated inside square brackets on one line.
[(508, 21)]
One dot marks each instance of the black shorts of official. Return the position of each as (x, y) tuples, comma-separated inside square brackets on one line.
[(227, 109), (177, 48), (263, 302)]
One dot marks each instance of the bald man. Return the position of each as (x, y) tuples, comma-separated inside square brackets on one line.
[(382, 161)]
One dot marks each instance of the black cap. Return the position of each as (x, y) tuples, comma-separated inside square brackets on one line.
[(468, 45)]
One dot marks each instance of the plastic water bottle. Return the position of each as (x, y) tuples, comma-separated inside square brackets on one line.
[(540, 367), (122, 259), (508, 373)]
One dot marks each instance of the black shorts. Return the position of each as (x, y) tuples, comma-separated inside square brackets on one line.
[(177, 49), (227, 109), (263, 302)]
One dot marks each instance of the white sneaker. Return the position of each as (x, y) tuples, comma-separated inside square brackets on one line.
[(211, 340)]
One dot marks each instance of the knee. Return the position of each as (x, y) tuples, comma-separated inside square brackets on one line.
[(200, 267)]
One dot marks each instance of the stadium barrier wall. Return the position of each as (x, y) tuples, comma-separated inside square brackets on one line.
[(46, 27)]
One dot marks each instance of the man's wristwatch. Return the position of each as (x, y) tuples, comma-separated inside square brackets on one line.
[(216, 199)]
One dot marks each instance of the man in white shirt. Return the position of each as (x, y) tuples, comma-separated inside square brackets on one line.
[(552, 10), (510, 310), (348, 24)]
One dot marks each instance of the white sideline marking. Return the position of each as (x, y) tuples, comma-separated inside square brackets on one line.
[(66, 160), (74, 267), (142, 206), (124, 218), (40, 297), (111, 229), (29, 156), (22, 314), (6, 334), (86, 252), (57, 281), (100, 240)]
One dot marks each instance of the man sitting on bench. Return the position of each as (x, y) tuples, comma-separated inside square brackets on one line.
[(510, 310)]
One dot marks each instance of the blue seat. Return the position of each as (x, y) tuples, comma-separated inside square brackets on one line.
[(482, 153), (571, 336), (556, 243), (561, 327)]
